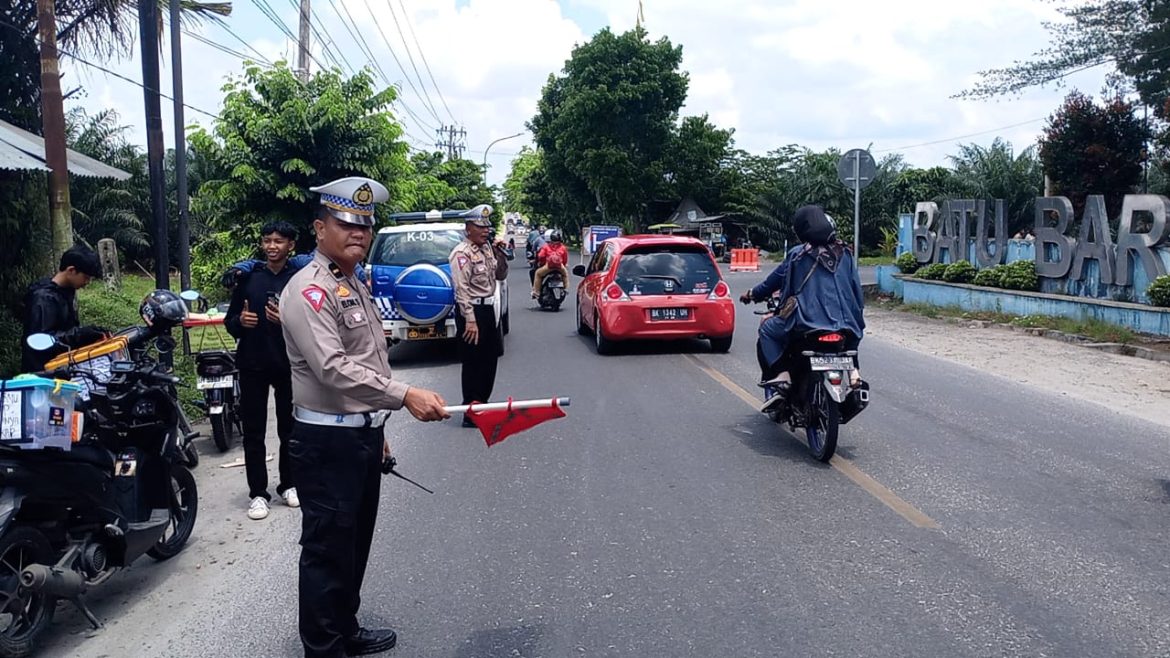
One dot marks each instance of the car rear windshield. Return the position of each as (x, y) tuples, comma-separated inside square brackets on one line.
[(411, 247), (667, 270)]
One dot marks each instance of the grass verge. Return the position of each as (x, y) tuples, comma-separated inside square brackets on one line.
[(1094, 330), (875, 260), (118, 308)]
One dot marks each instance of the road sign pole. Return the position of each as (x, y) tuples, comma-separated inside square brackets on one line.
[(856, 205)]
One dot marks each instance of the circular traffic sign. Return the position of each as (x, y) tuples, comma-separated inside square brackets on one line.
[(856, 169)]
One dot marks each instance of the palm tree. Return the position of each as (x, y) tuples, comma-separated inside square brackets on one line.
[(110, 27), (996, 172)]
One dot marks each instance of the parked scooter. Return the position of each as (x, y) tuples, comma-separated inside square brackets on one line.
[(70, 519), (821, 396), (216, 374)]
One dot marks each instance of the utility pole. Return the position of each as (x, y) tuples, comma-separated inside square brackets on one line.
[(180, 149), (452, 140), (53, 114), (303, 49), (148, 39)]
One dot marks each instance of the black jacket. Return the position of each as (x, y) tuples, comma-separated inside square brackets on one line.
[(262, 347), (51, 309)]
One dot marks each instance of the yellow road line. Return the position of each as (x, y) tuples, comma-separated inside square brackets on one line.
[(842, 464)]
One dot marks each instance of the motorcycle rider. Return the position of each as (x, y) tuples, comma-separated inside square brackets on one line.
[(551, 258), (535, 242), (50, 307), (821, 273)]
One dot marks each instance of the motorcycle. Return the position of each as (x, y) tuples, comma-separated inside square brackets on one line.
[(216, 374), (821, 396), (552, 291), (71, 519)]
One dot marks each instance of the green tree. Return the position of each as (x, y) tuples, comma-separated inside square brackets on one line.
[(605, 124), (277, 136), (460, 182), (995, 172), (1133, 36), (695, 160), (103, 208), (1093, 149), (514, 196)]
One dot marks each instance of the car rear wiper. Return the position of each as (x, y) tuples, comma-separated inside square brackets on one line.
[(666, 277)]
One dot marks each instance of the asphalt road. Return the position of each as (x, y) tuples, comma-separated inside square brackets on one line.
[(665, 517)]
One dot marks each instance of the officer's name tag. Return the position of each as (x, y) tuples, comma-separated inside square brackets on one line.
[(350, 303)]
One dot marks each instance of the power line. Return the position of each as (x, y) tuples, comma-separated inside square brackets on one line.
[(421, 54), (274, 18), (82, 60), (328, 46), (398, 61), (402, 38), (953, 139), (224, 49), (356, 33), (241, 40)]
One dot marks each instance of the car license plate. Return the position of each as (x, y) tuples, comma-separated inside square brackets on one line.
[(204, 383), (657, 314), (422, 333), (819, 363)]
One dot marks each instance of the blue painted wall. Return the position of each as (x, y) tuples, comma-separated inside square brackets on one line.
[(1139, 317)]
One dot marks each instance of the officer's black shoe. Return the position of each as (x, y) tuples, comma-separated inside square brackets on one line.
[(367, 641), (467, 422)]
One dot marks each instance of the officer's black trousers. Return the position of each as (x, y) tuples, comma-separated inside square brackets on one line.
[(338, 473), (479, 360), (254, 385)]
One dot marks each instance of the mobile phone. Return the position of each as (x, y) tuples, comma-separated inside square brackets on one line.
[(273, 298)]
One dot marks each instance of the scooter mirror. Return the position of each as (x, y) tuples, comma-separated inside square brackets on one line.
[(190, 295), (40, 342)]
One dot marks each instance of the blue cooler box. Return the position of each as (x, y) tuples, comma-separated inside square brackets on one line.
[(37, 413)]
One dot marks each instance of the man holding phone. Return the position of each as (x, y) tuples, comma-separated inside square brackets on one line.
[(254, 319)]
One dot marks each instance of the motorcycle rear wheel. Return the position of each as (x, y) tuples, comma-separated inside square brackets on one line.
[(822, 424), (24, 615), (184, 509), (223, 428)]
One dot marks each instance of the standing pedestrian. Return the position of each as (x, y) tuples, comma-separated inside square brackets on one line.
[(477, 268), (50, 307), (254, 319), (343, 392)]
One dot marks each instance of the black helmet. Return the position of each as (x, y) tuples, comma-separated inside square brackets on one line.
[(163, 309), (556, 236), (813, 226)]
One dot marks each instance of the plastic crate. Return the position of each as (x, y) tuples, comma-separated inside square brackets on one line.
[(95, 359), (37, 413)]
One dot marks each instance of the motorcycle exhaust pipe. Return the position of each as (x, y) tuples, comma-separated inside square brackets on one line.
[(54, 582)]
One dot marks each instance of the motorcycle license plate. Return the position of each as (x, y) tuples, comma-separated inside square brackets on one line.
[(657, 314), (819, 363), (423, 333), (205, 383)]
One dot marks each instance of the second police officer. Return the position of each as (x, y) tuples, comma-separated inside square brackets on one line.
[(343, 391), (477, 267)]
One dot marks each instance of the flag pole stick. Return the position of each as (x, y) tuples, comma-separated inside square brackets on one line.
[(516, 404)]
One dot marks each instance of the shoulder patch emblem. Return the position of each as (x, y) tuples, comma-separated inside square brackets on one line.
[(461, 260), (315, 296)]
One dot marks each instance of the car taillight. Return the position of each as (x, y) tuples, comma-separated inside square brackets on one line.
[(831, 338), (615, 293), (720, 291)]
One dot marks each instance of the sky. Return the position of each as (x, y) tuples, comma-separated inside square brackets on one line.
[(844, 73)]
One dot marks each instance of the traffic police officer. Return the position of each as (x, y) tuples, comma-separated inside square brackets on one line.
[(343, 391), (476, 268)]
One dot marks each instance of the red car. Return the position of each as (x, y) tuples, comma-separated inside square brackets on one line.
[(654, 287)]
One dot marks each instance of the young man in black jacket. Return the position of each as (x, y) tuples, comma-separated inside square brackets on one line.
[(254, 319), (50, 307)]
